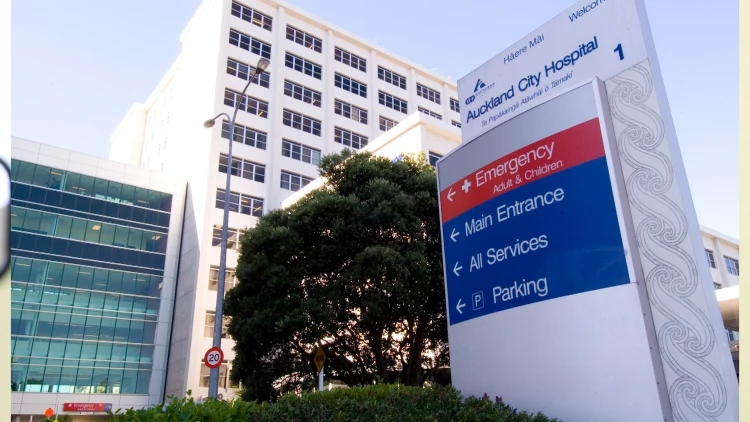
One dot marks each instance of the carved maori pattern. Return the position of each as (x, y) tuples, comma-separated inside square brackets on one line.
[(686, 337)]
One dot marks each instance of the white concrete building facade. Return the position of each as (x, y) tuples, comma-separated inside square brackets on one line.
[(325, 90)]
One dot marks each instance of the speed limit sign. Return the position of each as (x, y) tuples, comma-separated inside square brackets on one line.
[(214, 357)]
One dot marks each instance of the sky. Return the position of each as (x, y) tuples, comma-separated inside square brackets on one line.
[(77, 66)]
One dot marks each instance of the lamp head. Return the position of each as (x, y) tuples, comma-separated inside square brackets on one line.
[(262, 64), (209, 123)]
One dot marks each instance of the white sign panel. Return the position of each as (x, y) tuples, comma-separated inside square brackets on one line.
[(532, 329), (590, 39)]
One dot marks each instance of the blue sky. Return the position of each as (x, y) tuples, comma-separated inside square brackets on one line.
[(78, 66)]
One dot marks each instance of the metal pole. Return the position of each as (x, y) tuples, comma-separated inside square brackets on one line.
[(320, 378), (213, 380)]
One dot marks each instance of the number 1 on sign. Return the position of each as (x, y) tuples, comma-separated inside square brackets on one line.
[(618, 50)]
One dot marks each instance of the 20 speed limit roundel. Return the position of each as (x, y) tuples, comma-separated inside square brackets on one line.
[(214, 357)]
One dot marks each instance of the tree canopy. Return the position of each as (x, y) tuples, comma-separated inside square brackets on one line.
[(355, 266)]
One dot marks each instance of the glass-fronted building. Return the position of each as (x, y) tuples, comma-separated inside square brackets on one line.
[(94, 248)]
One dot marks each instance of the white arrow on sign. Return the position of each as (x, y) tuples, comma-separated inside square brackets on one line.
[(450, 194), (459, 306), (456, 268), (454, 234)]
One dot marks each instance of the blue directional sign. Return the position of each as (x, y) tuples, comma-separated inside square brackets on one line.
[(537, 224)]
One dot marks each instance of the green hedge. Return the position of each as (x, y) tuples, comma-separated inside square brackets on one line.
[(378, 403)]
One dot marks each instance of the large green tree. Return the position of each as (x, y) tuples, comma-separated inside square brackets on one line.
[(356, 267)]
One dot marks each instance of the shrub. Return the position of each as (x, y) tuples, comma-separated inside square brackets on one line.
[(382, 403)]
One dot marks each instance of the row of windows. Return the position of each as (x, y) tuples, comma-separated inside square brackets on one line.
[(428, 93), (245, 71), (241, 203), (247, 103), (349, 139), (350, 59), (393, 102), (253, 16), (387, 124), (44, 223), (67, 181), (76, 252), (430, 113), (65, 325), (391, 77), (456, 124), (301, 122), (82, 380), (208, 330), (44, 199), (102, 304), (302, 93), (454, 105), (246, 42), (350, 85), (243, 168), (233, 236), (245, 135), (297, 151), (303, 65), (732, 265), (304, 39), (213, 277), (359, 88), (224, 378), (350, 111), (72, 276), (293, 181)]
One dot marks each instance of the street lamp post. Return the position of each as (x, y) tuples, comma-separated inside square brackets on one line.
[(213, 381)]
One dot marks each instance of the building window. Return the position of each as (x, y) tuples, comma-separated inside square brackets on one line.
[(351, 85), (350, 111), (246, 42), (224, 378), (301, 122), (391, 77), (243, 71), (213, 276), (302, 93), (240, 203), (454, 105), (434, 157), (253, 16), (428, 93), (304, 39), (233, 237), (350, 139), (386, 124), (249, 104), (350, 59), (456, 124), (243, 168), (85, 230), (300, 152), (430, 113), (245, 135), (79, 184), (717, 286), (390, 101), (293, 181), (733, 265), (733, 335), (710, 258), (208, 331), (305, 66)]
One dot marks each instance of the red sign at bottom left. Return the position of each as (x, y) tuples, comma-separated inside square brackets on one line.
[(87, 407)]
